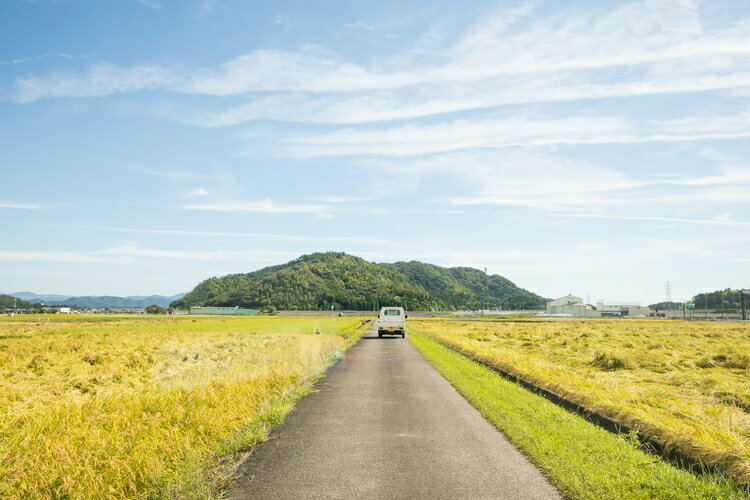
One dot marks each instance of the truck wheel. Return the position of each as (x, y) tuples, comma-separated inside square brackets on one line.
[(403, 335), (380, 335)]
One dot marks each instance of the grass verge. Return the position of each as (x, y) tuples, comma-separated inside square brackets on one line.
[(682, 384), (582, 460)]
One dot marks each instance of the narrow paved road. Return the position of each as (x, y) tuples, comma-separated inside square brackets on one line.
[(384, 423)]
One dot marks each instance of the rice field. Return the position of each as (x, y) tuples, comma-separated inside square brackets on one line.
[(684, 383), (136, 407)]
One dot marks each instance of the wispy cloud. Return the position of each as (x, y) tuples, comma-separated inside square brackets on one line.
[(358, 26), (22, 206), (205, 7), (261, 206), (63, 55), (716, 221), (151, 4), (196, 193), (588, 247), (459, 135), (59, 256), (16, 61), (129, 253), (147, 170), (101, 80), (658, 46), (385, 106), (261, 236), (339, 199)]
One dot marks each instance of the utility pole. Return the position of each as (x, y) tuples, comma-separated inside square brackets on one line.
[(743, 296)]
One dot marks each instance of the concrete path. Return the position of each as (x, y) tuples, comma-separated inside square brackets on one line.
[(384, 423)]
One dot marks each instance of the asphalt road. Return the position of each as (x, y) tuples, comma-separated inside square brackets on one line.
[(384, 423)]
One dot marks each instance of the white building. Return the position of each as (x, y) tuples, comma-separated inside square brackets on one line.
[(572, 305), (631, 309), (64, 310)]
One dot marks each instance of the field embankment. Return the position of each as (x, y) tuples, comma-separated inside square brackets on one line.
[(134, 407), (684, 384)]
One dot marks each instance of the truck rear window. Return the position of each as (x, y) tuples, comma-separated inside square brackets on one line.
[(392, 312)]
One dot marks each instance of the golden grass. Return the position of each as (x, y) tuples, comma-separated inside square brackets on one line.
[(128, 408), (683, 383)]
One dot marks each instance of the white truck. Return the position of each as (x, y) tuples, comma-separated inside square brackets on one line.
[(392, 320)]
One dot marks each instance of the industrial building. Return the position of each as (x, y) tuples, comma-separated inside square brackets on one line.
[(222, 311), (630, 309), (573, 306)]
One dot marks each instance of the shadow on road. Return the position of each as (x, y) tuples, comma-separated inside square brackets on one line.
[(375, 337)]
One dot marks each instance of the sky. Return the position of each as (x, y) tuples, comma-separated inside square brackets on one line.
[(590, 147)]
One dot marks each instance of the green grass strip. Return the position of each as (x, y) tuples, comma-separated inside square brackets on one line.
[(581, 459)]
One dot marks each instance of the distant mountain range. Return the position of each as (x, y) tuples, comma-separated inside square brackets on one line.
[(341, 281), (98, 301)]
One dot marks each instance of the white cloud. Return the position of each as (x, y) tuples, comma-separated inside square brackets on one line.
[(22, 206), (728, 174), (587, 247), (517, 130), (101, 80), (459, 135), (375, 106), (339, 199), (261, 206), (151, 4), (511, 56), (59, 256), (358, 26), (716, 221), (63, 55), (541, 179), (129, 253), (19, 60), (261, 236), (204, 7), (142, 169), (533, 180), (196, 193)]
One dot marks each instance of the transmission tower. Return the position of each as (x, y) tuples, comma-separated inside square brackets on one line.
[(668, 291)]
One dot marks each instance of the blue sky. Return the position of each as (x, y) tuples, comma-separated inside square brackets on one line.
[(599, 148)]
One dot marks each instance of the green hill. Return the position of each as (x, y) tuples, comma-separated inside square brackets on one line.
[(319, 280), (8, 302)]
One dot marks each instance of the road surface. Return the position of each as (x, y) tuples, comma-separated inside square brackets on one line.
[(384, 423)]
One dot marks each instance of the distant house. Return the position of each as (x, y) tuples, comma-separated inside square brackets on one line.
[(63, 310), (572, 305), (222, 311)]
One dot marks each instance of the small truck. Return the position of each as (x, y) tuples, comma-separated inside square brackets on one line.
[(392, 320)]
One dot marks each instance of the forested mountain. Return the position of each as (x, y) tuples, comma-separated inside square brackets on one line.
[(322, 280), (103, 301), (8, 302), (111, 301)]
